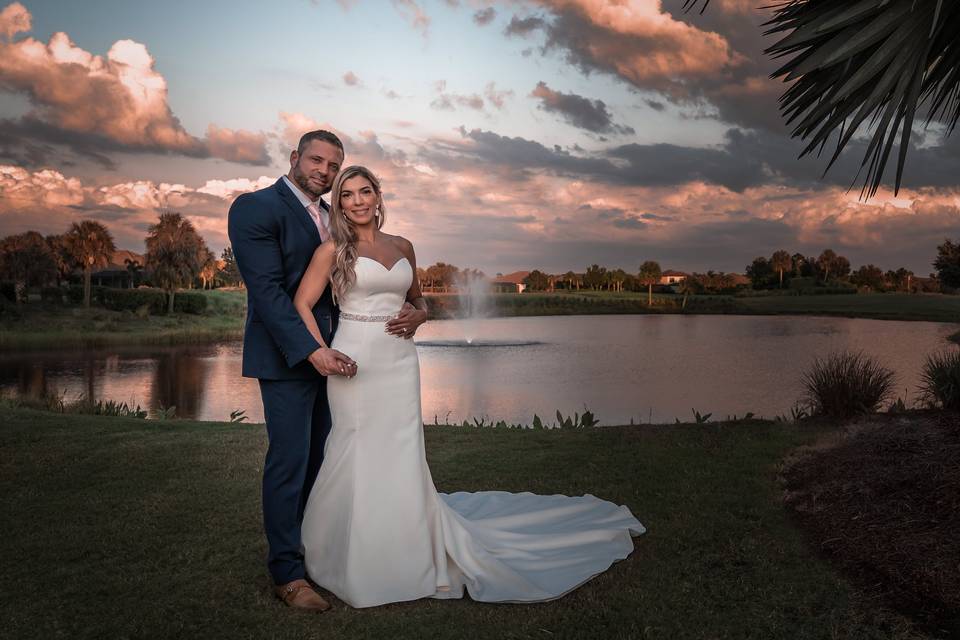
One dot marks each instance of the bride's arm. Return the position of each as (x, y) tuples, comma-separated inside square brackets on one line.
[(409, 319), (314, 281), (325, 360)]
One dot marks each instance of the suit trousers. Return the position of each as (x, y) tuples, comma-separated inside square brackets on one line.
[(298, 422)]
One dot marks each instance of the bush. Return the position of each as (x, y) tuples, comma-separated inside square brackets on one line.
[(802, 283), (8, 291), (132, 299), (940, 380), (142, 301), (52, 294), (75, 294), (847, 384), (189, 302)]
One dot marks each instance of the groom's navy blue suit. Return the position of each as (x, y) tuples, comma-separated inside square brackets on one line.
[(273, 239)]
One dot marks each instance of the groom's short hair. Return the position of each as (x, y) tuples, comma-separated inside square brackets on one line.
[(319, 134)]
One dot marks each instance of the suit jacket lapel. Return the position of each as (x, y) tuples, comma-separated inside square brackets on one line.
[(298, 210)]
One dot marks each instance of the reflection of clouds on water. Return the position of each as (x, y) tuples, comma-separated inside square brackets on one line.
[(620, 367), (475, 344)]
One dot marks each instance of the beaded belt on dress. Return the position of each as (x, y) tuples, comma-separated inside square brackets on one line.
[(362, 318)]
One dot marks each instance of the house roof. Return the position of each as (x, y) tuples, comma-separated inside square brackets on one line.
[(512, 278), (117, 260), (671, 272)]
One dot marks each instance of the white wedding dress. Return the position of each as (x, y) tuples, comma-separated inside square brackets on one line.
[(375, 529)]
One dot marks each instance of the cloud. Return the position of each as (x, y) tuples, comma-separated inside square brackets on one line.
[(450, 101), (524, 26), (485, 16), (414, 14), (14, 19), (579, 111), (636, 41), (496, 98), (116, 102), (351, 80), (48, 201)]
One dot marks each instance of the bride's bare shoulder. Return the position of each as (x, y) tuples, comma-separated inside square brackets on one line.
[(401, 243)]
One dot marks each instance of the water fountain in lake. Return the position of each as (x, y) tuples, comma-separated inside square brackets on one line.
[(475, 306)]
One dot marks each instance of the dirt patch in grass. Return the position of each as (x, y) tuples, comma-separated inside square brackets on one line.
[(881, 499)]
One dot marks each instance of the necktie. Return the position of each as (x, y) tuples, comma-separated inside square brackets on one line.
[(314, 212)]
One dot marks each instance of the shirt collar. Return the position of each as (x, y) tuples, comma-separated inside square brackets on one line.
[(302, 197)]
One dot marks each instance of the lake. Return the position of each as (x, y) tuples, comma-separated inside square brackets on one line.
[(640, 368)]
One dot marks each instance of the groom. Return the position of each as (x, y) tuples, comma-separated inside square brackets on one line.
[(274, 233)]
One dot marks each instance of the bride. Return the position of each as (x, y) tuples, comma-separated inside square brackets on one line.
[(375, 530)]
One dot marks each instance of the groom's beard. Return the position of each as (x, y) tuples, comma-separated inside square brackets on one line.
[(303, 181)]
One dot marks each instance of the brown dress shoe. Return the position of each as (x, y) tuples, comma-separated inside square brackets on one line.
[(300, 595)]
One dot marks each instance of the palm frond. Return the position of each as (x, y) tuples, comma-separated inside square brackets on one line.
[(869, 63), (690, 4)]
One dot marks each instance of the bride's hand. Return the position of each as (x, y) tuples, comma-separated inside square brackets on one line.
[(330, 362), (407, 322)]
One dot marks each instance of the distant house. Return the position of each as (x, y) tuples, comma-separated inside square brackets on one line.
[(510, 283), (672, 277), (739, 280), (117, 273)]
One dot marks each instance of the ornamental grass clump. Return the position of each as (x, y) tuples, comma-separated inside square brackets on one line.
[(940, 380), (847, 384)]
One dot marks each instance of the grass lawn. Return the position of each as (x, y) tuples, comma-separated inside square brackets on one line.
[(128, 528)]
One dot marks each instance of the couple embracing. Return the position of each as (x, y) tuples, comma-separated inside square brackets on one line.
[(348, 500)]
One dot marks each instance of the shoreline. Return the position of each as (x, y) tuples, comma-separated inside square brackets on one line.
[(40, 326)]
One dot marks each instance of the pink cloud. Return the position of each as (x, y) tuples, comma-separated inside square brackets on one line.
[(14, 19), (637, 41), (414, 14), (118, 100)]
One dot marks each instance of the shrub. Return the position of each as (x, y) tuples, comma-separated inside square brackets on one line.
[(75, 294), (189, 302), (940, 380), (8, 290), (132, 299), (52, 294), (802, 283), (142, 301), (846, 384)]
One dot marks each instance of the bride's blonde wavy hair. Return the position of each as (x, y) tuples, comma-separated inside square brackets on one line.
[(344, 233)]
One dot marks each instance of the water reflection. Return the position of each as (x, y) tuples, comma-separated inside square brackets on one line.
[(622, 367)]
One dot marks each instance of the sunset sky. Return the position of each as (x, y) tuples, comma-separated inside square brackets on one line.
[(509, 135)]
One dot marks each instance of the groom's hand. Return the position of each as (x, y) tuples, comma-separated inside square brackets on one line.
[(330, 362)]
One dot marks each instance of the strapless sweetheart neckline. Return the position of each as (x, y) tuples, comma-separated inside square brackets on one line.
[(391, 267)]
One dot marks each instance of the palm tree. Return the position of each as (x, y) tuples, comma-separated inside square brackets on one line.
[(781, 261), (91, 246), (133, 268), (872, 63), (688, 286), (173, 253), (826, 262), (61, 255), (650, 273)]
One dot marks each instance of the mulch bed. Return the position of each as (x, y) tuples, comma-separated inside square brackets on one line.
[(881, 499)]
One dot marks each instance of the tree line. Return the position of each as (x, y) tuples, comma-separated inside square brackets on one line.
[(783, 269), (176, 257)]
